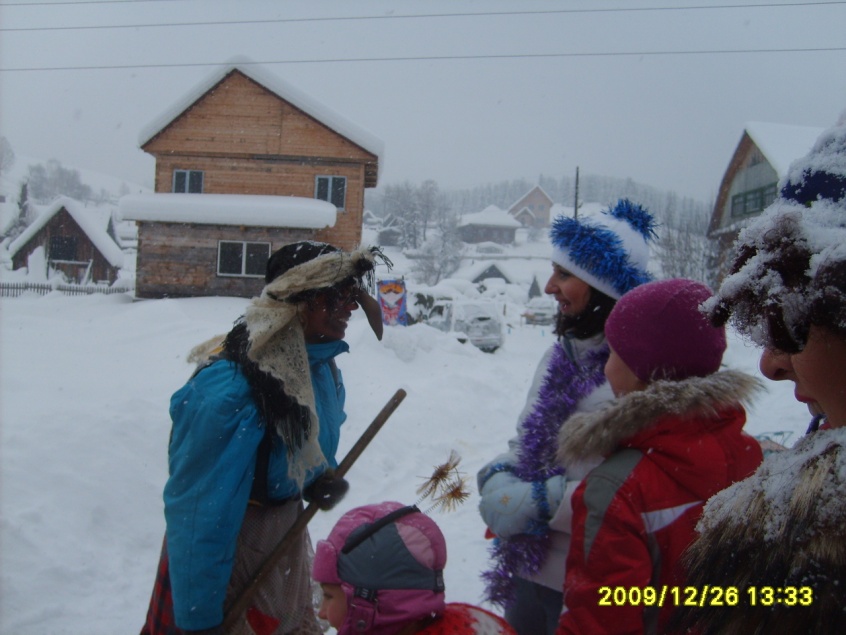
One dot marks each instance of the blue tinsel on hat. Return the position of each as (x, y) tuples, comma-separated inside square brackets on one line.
[(596, 248)]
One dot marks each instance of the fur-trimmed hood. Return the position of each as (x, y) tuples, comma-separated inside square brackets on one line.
[(603, 431)]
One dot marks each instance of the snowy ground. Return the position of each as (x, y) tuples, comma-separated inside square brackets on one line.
[(84, 390)]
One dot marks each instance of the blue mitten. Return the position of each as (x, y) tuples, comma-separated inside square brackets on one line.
[(506, 505), (511, 506)]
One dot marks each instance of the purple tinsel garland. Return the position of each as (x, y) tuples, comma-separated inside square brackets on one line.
[(565, 384)]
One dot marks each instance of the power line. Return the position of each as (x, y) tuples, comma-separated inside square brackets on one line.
[(428, 58), (383, 17)]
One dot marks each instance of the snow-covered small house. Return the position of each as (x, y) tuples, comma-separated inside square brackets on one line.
[(533, 208), (750, 182), (492, 224), (77, 240), (264, 164)]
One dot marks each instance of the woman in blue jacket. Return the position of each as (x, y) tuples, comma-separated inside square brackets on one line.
[(255, 430)]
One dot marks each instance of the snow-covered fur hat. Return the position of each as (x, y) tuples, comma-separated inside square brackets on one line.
[(782, 529), (789, 270), (609, 252), (389, 560)]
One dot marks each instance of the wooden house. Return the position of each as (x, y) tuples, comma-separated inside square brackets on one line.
[(272, 153), (750, 182), (77, 240), (533, 208), (490, 225)]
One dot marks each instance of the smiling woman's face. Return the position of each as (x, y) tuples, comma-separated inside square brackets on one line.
[(818, 373), (325, 317), (571, 293)]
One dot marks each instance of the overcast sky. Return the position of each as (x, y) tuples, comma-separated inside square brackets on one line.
[(464, 92)]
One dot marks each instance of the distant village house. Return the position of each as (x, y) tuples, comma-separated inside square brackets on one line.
[(533, 208), (76, 240), (492, 224)]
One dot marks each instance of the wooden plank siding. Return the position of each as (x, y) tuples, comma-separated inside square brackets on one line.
[(62, 224), (180, 260)]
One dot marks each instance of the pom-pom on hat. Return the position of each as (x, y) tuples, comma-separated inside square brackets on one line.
[(389, 560), (659, 331), (609, 252)]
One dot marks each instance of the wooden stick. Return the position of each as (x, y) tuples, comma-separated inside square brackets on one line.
[(242, 602)]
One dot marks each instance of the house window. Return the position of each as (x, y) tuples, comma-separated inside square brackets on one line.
[(63, 248), (236, 258), (188, 181), (752, 201), (332, 189)]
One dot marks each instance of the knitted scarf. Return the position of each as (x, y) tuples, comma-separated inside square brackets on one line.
[(566, 383)]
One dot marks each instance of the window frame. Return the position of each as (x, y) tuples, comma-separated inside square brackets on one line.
[(187, 175), (244, 249), (330, 189)]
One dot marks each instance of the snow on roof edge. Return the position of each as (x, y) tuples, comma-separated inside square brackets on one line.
[(782, 144), (278, 86), (229, 209)]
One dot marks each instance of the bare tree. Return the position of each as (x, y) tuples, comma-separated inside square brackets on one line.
[(427, 203), (684, 249), (51, 179), (441, 254), (400, 209), (7, 155)]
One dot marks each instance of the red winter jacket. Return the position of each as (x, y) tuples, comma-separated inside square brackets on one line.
[(668, 449), (466, 619)]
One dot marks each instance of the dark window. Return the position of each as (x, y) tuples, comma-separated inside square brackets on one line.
[(188, 181), (62, 248), (242, 258), (332, 189), (752, 201)]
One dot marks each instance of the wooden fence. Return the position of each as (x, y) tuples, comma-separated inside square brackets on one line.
[(15, 289)]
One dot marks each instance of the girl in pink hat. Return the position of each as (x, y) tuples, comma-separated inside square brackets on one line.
[(381, 571)]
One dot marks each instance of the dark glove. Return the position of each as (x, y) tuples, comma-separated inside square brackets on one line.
[(327, 491)]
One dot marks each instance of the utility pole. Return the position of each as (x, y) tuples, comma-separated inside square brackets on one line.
[(576, 196)]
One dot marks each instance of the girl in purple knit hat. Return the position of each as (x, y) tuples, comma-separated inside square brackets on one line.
[(382, 573), (671, 439)]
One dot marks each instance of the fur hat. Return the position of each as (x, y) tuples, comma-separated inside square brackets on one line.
[(790, 265), (609, 252), (389, 560), (658, 330)]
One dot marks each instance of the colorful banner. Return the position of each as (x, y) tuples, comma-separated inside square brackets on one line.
[(393, 301)]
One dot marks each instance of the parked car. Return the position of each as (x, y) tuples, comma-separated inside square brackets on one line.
[(476, 321), (540, 310)]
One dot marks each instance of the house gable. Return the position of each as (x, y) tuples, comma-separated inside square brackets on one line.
[(75, 239), (239, 117)]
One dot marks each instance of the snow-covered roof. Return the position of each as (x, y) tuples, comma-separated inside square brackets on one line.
[(293, 95), (535, 187), (229, 209), (491, 216), (781, 144), (94, 221), (477, 268)]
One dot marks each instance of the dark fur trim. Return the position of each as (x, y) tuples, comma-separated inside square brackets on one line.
[(753, 542), (600, 432)]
